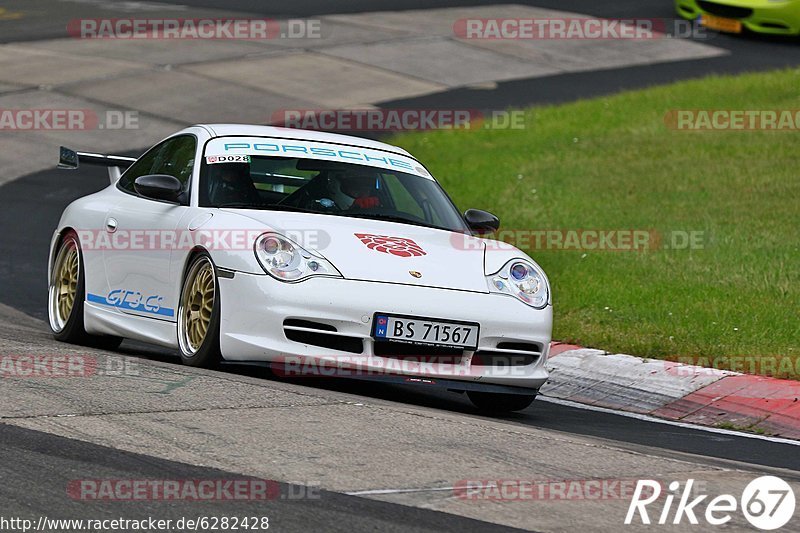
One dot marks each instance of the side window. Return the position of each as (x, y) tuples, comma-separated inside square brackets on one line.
[(174, 157), (140, 168)]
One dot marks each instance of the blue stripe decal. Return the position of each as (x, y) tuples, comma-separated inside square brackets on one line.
[(133, 301)]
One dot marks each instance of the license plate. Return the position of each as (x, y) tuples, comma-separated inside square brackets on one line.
[(425, 331), (721, 23)]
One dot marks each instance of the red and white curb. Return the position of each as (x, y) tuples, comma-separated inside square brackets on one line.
[(674, 391)]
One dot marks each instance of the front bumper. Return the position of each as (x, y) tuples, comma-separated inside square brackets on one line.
[(254, 309), (764, 16)]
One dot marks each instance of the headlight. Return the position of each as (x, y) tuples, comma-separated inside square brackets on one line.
[(284, 260), (524, 280)]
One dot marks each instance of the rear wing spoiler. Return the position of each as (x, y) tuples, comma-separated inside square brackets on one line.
[(70, 159)]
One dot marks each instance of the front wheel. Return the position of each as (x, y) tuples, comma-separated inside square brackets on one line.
[(500, 403), (198, 315), (65, 298)]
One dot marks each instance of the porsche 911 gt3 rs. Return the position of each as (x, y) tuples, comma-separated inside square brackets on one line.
[(300, 250)]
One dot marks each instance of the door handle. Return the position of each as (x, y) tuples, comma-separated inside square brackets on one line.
[(111, 225)]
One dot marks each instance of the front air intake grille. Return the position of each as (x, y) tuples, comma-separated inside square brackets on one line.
[(520, 346), (332, 342), (300, 323), (323, 336), (723, 10), (774, 25)]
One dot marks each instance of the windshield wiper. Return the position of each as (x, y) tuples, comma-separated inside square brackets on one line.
[(269, 207), (284, 207), (392, 218), (234, 205)]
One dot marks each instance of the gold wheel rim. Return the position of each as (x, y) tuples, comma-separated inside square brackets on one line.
[(66, 283), (198, 306)]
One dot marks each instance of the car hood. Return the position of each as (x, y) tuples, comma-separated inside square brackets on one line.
[(374, 250)]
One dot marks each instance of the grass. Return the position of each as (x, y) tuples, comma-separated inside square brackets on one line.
[(736, 427), (612, 163)]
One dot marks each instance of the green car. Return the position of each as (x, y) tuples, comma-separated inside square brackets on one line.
[(777, 17)]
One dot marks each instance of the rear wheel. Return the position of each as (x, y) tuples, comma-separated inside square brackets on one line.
[(500, 403), (198, 315), (66, 300)]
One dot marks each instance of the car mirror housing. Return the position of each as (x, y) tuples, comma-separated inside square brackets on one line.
[(159, 187), (481, 221)]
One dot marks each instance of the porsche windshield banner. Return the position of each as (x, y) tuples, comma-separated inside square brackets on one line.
[(264, 146)]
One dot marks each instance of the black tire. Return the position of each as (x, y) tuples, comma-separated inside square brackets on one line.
[(208, 355), (72, 329), (494, 402)]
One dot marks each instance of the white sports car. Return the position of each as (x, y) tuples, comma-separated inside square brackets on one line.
[(309, 252)]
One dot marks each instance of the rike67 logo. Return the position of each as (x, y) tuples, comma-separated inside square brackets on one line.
[(767, 502)]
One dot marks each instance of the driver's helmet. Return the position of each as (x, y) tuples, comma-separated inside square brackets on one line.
[(351, 190)]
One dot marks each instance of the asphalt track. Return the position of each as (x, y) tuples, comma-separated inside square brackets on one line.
[(45, 464), (30, 208), (748, 52)]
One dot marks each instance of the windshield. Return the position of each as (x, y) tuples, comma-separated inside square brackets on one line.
[(326, 187)]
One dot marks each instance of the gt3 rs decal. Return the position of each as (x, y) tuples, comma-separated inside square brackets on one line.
[(398, 246), (132, 300)]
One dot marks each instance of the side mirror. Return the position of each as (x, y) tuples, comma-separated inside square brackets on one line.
[(481, 221), (159, 187)]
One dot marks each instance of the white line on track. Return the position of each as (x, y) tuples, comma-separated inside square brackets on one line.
[(396, 491), (648, 418)]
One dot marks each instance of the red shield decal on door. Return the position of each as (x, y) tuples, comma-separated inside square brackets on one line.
[(399, 246)]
